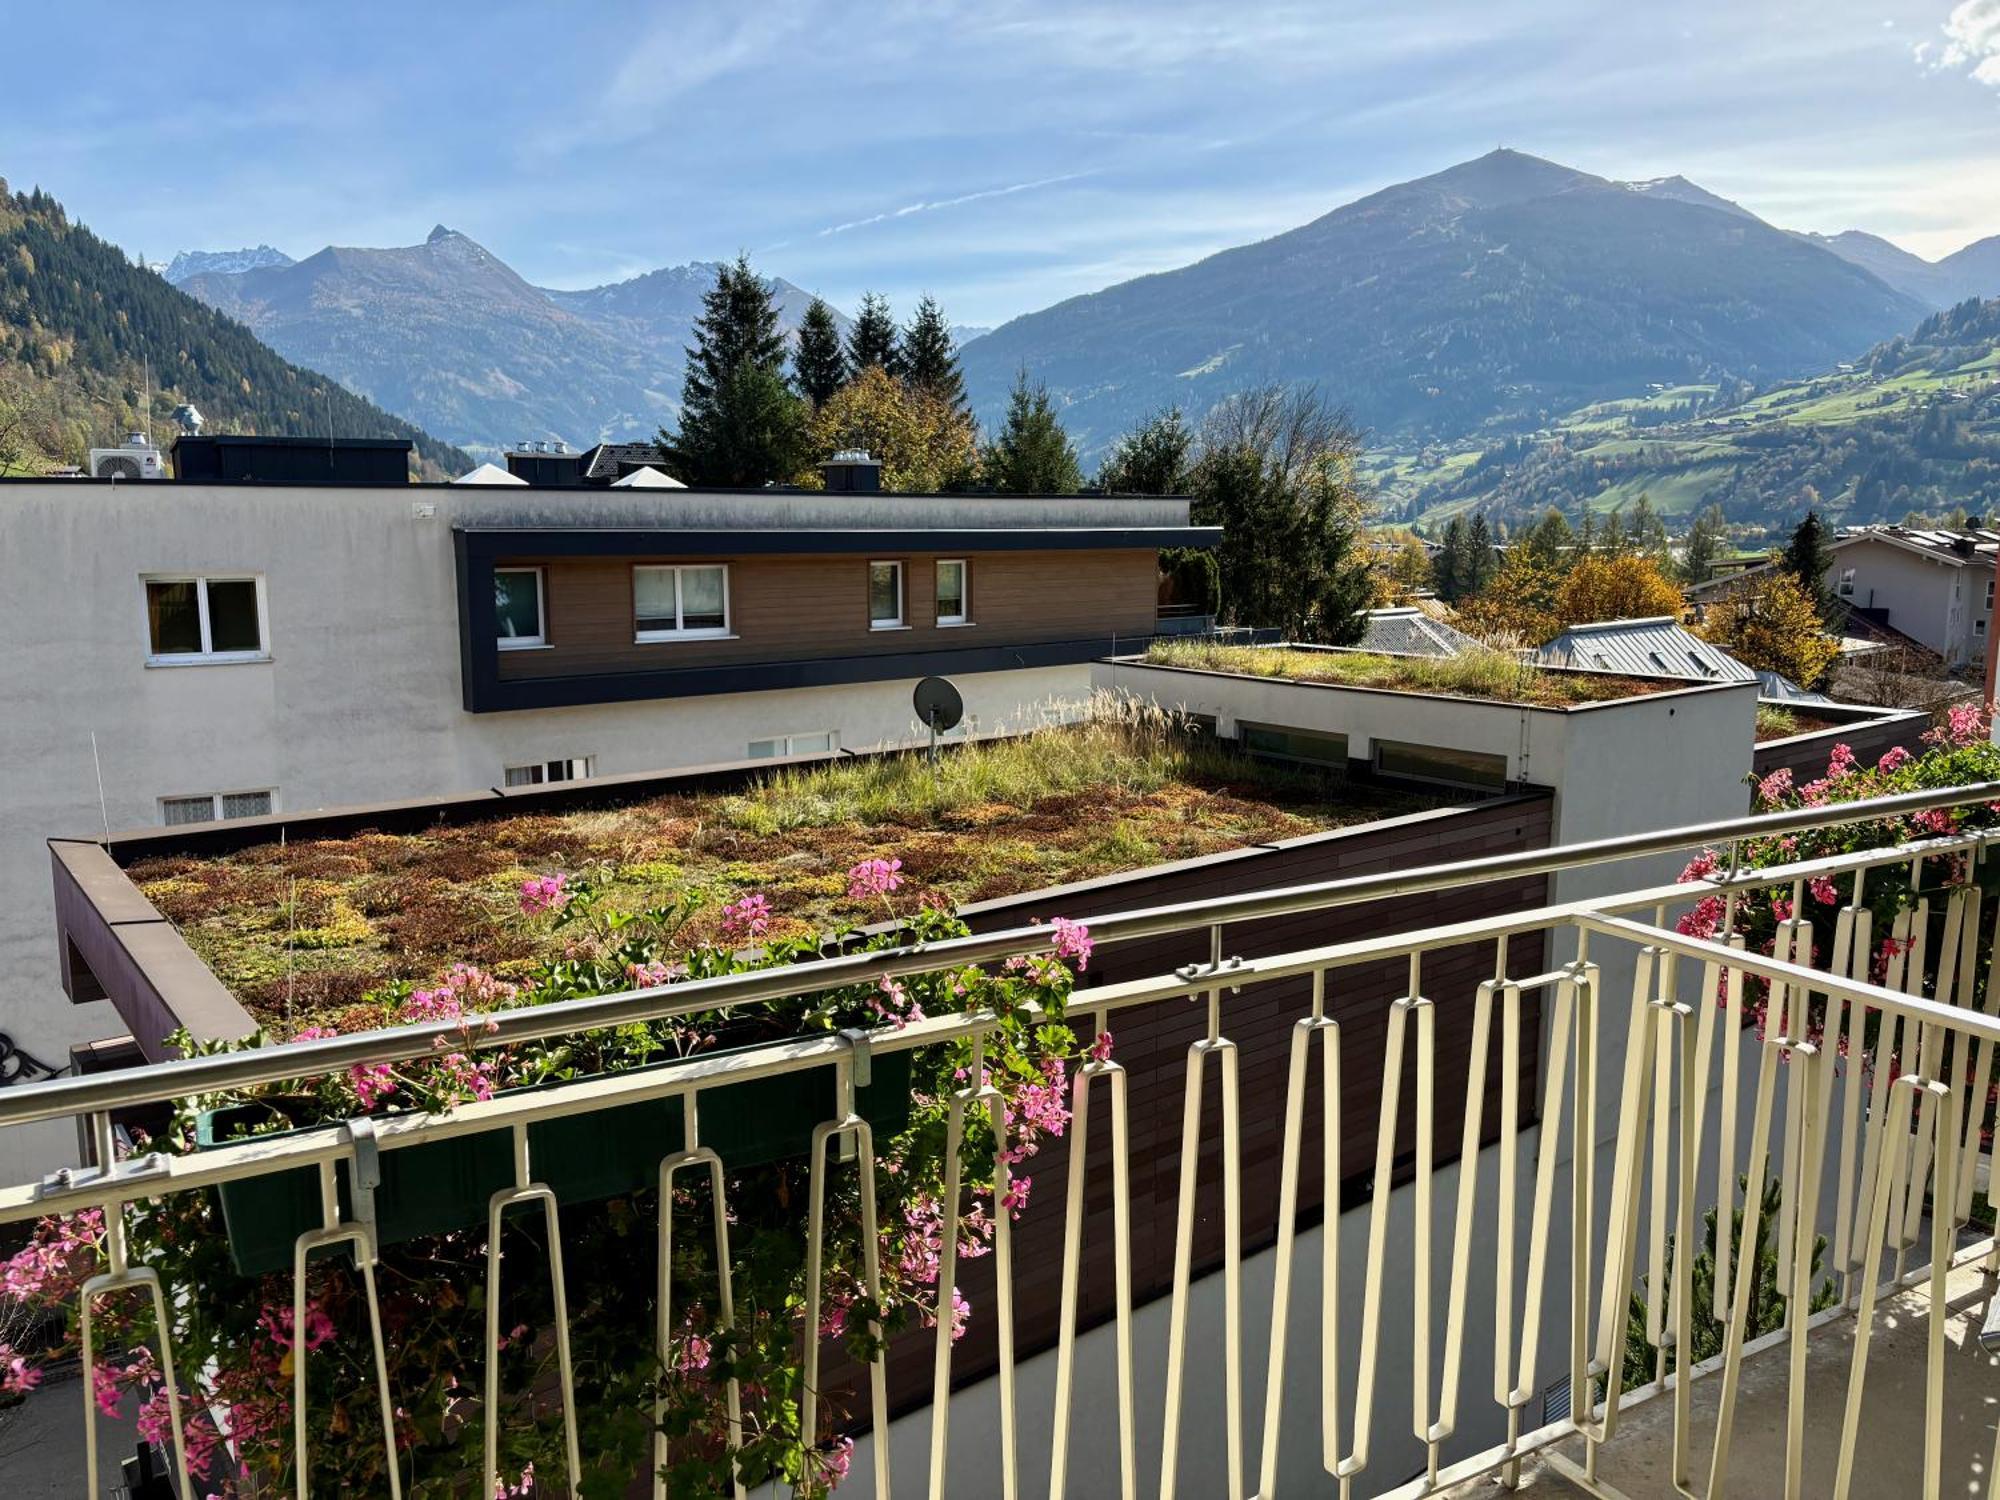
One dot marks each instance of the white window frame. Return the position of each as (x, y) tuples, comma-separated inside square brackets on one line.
[(787, 744), (901, 622), (207, 656), (964, 615), (575, 768), (215, 802), (541, 636), (680, 632)]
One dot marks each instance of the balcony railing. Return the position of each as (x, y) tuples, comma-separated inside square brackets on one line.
[(1866, 1098)]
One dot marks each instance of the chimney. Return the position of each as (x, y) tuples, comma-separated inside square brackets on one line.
[(852, 472)]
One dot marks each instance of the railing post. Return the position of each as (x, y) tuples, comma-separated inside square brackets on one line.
[(692, 1154)]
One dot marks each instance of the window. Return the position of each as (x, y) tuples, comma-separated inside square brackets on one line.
[(1846, 583), (1989, 593), (540, 773), (205, 619), (517, 600), (673, 604), (1296, 746), (885, 596), (951, 593), (207, 807), (823, 743), (1466, 768)]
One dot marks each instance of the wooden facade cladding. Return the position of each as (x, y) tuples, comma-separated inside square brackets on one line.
[(813, 606)]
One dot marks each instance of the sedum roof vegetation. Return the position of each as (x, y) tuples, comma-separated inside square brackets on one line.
[(1480, 672), (308, 929)]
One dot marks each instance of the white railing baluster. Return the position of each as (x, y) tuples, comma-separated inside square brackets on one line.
[(1288, 1208), (121, 1275), (361, 1238), (526, 1191), (1224, 1050), (693, 1154), (1072, 1272)]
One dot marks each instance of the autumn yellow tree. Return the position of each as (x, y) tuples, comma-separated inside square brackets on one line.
[(1398, 565), (1519, 605), (1631, 587), (1771, 624), (925, 444)]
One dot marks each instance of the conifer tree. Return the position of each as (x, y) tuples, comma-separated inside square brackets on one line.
[(872, 340), (1032, 454), (1151, 459), (1807, 557), (1703, 545), (930, 358), (1451, 572), (819, 367), (740, 423), (1481, 561)]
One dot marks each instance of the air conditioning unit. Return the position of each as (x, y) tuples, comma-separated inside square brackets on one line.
[(137, 459)]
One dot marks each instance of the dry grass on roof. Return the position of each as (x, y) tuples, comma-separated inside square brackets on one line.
[(1476, 672), (324, 921)]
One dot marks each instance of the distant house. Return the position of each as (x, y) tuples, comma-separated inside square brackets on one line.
[(1931, 584)]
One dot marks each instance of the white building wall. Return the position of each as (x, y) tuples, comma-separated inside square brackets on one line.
[(360, 700), (1928, 599)]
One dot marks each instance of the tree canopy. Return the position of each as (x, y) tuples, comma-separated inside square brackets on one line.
[(819, 367), (1772, 624), (741, 424), (930, 358), (926, 444), (1032, 455), (873, 339)]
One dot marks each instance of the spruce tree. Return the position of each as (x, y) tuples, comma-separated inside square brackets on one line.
[(1550, 539), (1481, 561), (872, 340), (1151, 459), (819, 368), (1450, 571), (1807, 557), (930, 358), (1032, 455), (1703, 546), (1646, 532), (740, 423)]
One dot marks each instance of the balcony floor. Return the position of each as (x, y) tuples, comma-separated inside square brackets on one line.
[(1889, 1462)]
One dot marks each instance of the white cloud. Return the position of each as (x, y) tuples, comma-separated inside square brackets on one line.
[(1972, 41)]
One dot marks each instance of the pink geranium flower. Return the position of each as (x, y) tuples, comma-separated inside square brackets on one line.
[(874, 877), (540, 893)]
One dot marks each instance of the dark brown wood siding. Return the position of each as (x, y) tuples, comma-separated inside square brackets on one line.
[(793, 608), (1153, 1043), (1806, 755)]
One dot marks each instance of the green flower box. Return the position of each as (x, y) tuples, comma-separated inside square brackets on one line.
[(586, 1157)]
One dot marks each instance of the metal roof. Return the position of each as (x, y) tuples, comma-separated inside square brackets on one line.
[(1657, 647), (1408, 631), (1978, 544)]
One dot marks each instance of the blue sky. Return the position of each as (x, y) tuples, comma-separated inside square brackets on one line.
[(1001, 155)]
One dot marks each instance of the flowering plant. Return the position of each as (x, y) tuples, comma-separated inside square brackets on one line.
[(237, 1331), (1957, 752)]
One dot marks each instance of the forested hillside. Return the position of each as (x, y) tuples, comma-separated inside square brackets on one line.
[(1913, 426), (79, 324)]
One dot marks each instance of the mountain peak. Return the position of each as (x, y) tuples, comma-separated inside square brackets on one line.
[(439, 232), (1503, 175), (1679, 190)]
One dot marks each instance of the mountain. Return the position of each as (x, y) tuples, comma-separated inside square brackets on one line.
[(1971, 272), (225, 262), (86, 335), (656, 312), (449, 335), (1678, 189), (1912, 426), (1498, 292)]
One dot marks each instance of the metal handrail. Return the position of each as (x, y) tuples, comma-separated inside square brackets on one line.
[(181, 1077)]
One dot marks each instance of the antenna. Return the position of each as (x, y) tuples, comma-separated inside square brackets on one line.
[(102, 810)]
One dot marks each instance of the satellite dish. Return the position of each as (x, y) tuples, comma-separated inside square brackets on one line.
[(938, 704)]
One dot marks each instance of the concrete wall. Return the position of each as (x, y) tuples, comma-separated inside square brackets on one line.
[(1929, 599), (360, 699)]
